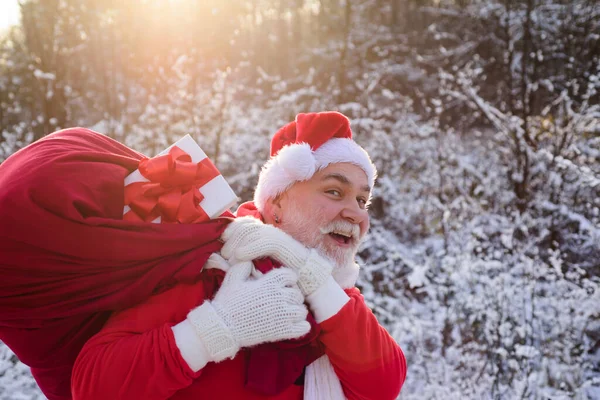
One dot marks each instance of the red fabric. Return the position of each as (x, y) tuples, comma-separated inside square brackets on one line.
[(68, 258), (312, 128), (135, 356), (248, 209)]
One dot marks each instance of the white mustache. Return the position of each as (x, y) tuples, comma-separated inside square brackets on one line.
[(342, 226)]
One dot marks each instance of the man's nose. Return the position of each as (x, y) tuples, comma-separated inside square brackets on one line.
[(353, 213)]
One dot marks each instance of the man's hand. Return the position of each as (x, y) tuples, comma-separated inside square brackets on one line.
[(247, 238), (246, 312)]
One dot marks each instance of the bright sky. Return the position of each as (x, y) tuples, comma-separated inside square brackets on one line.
[(9, 13)]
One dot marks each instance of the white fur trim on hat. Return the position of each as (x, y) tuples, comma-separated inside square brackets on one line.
[(297, 163)]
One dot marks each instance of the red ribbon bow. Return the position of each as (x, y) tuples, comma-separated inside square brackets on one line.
[(173, 191)]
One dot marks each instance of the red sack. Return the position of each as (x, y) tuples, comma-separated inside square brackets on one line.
[(67, 258)]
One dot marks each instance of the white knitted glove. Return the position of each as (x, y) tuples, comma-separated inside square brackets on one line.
[(247, 238), (246, 312)]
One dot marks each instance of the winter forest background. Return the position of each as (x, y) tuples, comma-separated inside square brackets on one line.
[(483, 118)]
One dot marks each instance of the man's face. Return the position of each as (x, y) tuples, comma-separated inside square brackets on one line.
[(328, 212)]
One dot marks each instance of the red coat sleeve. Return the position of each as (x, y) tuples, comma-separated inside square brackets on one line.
[(368, 361), (135, 356)]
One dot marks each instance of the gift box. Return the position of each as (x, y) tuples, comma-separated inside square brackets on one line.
[(179, 185)]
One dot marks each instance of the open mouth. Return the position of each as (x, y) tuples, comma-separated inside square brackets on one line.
[(340, 238)]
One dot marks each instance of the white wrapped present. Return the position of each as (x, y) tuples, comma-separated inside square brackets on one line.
[(180, 184)]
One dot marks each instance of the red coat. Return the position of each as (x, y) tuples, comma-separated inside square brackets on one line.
[(135, 356)]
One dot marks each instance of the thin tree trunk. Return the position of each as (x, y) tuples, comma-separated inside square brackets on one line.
[(282, 46), (524, 75), (394, 17), (297, 23), (344, 53), (511, 54)]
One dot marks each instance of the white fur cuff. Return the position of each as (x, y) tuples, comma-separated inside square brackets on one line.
[(190, 346)]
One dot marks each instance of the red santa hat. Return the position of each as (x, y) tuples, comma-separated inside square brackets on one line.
[(305, 146)]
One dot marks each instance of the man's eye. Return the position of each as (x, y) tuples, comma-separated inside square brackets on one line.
[(362, 202), (334, 192)]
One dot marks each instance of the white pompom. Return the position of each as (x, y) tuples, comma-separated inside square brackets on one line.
[(297, 161)]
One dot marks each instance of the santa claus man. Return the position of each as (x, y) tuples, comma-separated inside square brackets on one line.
[(292, 328)]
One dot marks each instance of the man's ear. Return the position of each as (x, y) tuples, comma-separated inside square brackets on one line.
[(277, 203), (273, 208)]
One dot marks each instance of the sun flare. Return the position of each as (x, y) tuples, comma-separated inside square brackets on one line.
[(9, 13)]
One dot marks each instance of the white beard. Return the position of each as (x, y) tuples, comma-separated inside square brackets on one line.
[(307, 230)]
